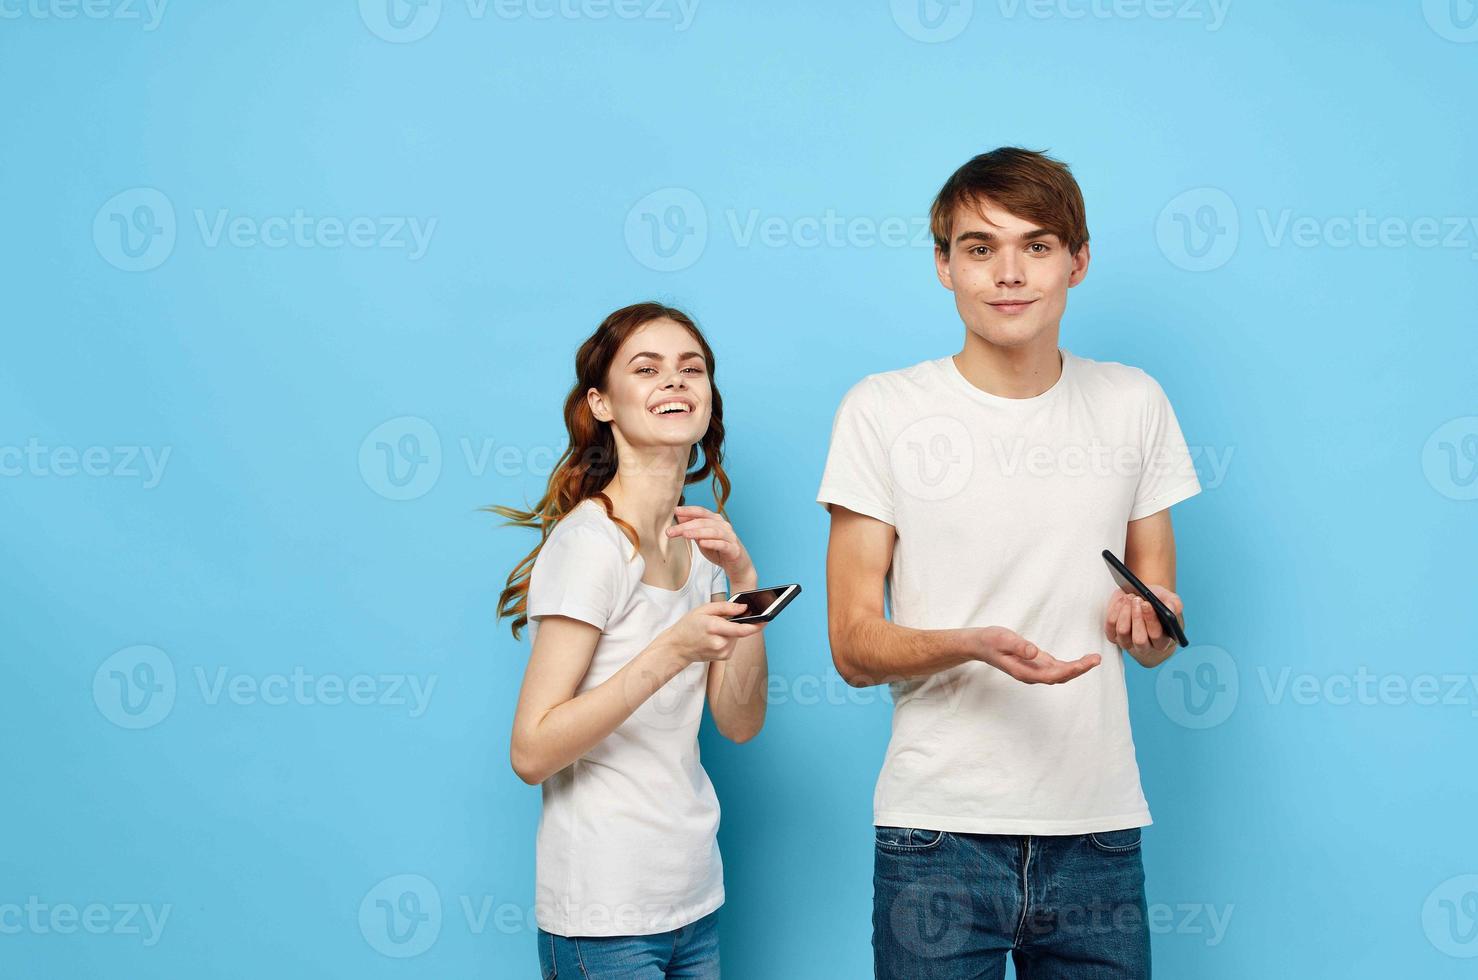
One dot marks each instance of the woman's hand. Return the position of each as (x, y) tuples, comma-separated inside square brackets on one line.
[(719, 544), (706, 633), (1132, 625)]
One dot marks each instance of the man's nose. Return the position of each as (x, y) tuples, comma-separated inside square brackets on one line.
[(1009, 269)]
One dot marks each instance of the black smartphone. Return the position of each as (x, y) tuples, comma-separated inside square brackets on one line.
[(764, 604), (1130, 583)]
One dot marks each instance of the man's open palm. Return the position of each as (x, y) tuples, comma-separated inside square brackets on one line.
[(1024, 660)]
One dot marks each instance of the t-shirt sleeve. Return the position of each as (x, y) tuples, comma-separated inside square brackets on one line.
[(858, 473), (577, 574), (719, 583), (1168, 474)]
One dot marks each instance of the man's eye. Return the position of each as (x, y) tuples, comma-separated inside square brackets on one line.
[(1039, 246), (980, 250)]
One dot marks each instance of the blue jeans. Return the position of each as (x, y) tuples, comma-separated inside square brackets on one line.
[(948, 906), (690, 953)]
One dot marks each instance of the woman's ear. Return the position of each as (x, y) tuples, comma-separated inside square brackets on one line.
[(598, 406)]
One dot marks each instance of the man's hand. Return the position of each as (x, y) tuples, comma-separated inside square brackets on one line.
[(1131, 624), (1024, 660)]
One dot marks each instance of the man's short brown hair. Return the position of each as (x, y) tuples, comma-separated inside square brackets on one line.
[(1027, 183)]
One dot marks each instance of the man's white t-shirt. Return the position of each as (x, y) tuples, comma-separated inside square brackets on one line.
[(628, 836), (1002, 507)]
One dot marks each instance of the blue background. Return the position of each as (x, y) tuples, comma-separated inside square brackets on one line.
[(1336, 836)]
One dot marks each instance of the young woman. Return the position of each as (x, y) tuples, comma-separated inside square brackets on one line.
[(624, 603)]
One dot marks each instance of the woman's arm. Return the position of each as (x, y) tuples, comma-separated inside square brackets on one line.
[(553, 727), (737, 687)]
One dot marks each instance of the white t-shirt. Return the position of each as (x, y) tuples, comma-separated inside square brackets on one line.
[(1002, 507), (628, 836)]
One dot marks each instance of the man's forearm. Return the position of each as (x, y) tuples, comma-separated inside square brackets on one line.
[(874, 651)]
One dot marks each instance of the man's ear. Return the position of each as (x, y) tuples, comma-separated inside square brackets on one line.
[(1080, 266), (941, 269), (598, 406)]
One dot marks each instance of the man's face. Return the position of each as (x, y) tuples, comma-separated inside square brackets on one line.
[(1009, 276)]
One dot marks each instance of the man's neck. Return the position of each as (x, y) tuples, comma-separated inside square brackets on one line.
[(1011, 372)]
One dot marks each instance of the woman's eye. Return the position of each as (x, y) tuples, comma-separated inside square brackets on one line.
[(694, 370), (644, 369)]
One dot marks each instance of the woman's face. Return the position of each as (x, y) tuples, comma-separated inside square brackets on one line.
[(658, 392)]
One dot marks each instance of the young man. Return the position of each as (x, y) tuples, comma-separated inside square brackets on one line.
[(982, 487)]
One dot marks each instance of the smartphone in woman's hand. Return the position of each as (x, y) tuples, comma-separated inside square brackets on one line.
[(764, 604)]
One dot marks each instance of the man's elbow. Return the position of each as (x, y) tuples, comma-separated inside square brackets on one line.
[(842, 660), (850, 674)]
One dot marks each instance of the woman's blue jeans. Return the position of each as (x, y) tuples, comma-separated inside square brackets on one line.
[(689, 953)]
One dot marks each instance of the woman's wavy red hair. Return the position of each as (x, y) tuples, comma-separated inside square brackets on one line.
[(589, 463)]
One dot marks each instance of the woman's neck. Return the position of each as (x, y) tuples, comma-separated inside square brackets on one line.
[(645, 491)]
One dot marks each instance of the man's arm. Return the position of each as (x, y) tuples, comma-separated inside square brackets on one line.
[(1149, 551), (868, 649)]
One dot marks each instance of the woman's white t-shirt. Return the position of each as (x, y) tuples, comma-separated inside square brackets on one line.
[(628, 837), (1002, 507)]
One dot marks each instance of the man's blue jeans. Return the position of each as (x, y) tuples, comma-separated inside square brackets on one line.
[(690, 953), (948, 906)]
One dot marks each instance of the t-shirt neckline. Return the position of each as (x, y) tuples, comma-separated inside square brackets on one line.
[(952, 370), (687, 582), (692, 555)]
